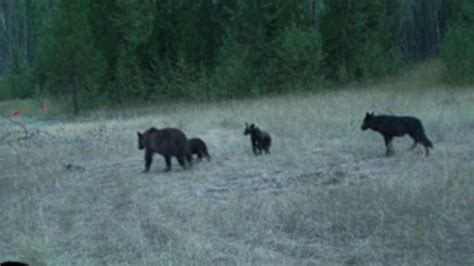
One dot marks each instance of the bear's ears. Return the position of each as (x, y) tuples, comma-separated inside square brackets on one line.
[(250, 126), (369, 114), (139, 134)]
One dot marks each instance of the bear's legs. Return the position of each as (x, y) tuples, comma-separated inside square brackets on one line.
[(181, 160), (168, 163), (148, 160)]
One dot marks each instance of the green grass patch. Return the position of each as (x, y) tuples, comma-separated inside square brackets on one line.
[(5, 92), (30, 107), (421, 76)]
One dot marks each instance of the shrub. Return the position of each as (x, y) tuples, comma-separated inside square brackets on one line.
[(457, 52), (298, 58), (233, 73)]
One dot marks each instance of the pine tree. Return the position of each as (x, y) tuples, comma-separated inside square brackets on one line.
[(134, 22), (356, 39), (68, 60)]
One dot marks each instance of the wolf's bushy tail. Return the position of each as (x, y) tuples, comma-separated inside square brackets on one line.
[(424, 139), (427, 142)]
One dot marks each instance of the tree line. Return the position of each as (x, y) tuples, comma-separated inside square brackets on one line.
[(115, 51)]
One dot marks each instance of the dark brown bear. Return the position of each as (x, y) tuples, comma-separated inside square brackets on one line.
[(168, 142), (198, 147)]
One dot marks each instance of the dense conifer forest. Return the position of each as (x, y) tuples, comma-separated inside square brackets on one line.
[(116, 51)]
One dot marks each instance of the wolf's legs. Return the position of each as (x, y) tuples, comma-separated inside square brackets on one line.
[(388, 145), (427, 151)]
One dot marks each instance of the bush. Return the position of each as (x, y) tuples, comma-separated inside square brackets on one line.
[(4, 90), (457, 53), (22, 84), (298, 59), (374, 61), (233, 75), (177, 83)]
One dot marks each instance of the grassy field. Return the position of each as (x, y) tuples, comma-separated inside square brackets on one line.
[(326, 195)]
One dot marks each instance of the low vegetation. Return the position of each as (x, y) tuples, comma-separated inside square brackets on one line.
[(75, 195)]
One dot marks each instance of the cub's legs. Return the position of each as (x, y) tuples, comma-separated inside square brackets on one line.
[(266, 146), (181, 161), (257, 147), (267, 150), (206, 154), (254, 147), (266, 143), (189, 159), (200, 155)]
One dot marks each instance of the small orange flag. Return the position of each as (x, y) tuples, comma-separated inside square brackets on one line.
[(16, 113)]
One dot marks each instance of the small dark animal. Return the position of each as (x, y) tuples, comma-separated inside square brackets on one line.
[(397, 126), (259, 139), (198, 147), (13, 263), (168, 142)]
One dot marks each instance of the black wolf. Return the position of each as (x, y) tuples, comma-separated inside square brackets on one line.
[(169, 142), (259, 139), (397, 126), (198, 146)]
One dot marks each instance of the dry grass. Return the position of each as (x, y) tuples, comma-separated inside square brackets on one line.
[(325, 196)]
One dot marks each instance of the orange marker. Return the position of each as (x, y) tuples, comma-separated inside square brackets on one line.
[(16, 113)]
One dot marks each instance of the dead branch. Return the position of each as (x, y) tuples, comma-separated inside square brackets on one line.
[(22, 134)]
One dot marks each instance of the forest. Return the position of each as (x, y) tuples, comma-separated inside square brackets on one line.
[(81, 80), (118, 51)]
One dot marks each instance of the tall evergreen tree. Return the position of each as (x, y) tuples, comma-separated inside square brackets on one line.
[(356, 40), (134, 22), (69, 61)]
